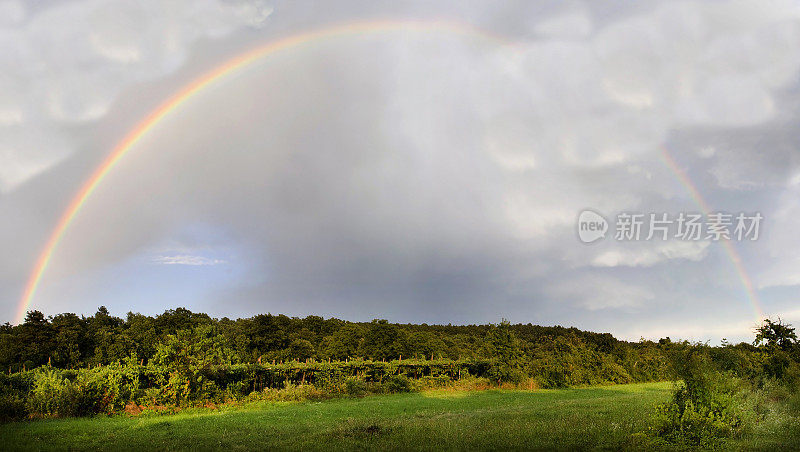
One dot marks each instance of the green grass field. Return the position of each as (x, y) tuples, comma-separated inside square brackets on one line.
[(590, 418)]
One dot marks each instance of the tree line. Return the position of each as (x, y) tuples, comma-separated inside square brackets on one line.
[(69, 341), (74, 365)]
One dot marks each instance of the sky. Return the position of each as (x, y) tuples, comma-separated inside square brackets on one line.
[(430, 170)]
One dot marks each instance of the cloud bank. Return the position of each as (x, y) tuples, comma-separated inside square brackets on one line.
[(425, 177)]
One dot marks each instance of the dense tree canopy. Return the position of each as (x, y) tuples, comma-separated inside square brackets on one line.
[(71, 341)]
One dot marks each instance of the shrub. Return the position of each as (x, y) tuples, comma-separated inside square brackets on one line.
[(355, 387), (189, 355), (47, 392), (700, 422), (14, 390), (399, 383), (54, 395), (440, 382), (12, 406), (291, 393), (707, 404)]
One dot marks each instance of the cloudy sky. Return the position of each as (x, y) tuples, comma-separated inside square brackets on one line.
[(424, 173)]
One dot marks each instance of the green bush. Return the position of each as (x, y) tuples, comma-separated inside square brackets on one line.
[(354, 387), (12, 406), (700, 423), (440, 382), (707, 405), (291, 393), (47, 392), (81, 392), (398, 383), (14, 390), (54, 395)]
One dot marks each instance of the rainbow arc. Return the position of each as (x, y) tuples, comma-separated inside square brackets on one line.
[(242, 61)]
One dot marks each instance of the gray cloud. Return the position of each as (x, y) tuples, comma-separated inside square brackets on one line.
[(416, 176), (67, 63)]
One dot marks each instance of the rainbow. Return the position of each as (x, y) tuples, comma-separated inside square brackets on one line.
[(242, 61), (727, 244), (200, 84)]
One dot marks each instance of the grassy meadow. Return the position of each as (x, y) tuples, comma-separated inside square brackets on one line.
[(599, 417), (609, 417), (595, 418)]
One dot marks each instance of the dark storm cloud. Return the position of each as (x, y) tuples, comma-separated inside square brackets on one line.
[(428, 176)]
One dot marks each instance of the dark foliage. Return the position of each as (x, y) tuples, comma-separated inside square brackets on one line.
[(71, 365)]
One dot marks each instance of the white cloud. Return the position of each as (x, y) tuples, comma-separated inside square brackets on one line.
[(692, 331), (702, 329), (572, 113), (67, 63), (647, 255), (706, 152), (187, 259), (595, 292)]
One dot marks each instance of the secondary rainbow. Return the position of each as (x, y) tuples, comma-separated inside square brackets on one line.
[(734, 256)]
